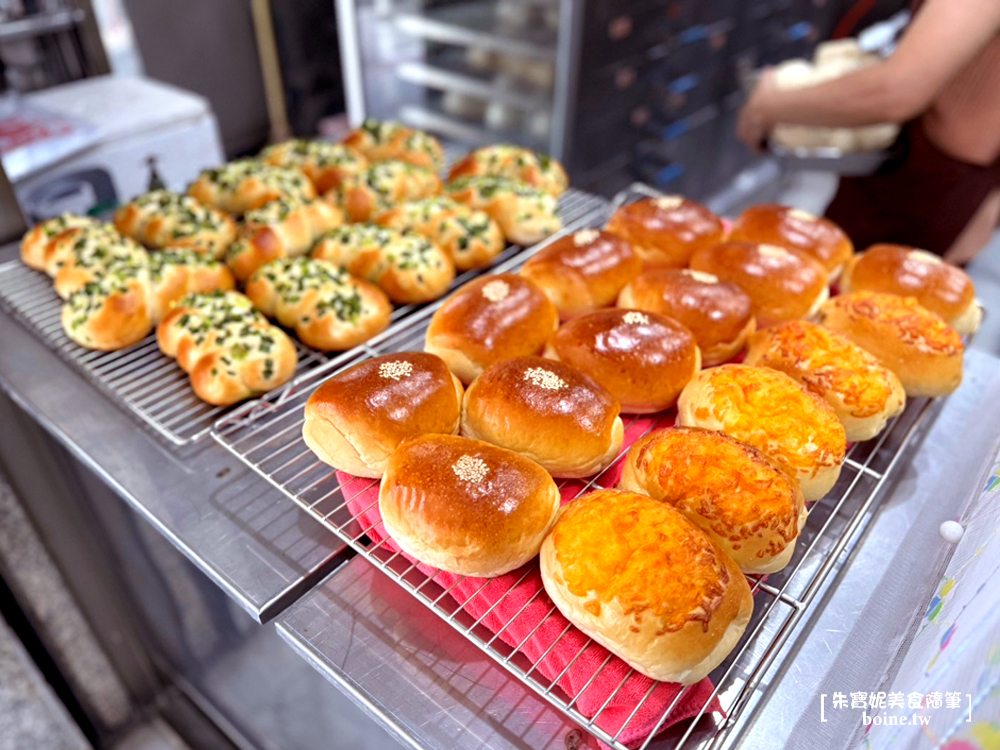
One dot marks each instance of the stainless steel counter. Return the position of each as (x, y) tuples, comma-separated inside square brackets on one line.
[(259, 548), (432, 689)]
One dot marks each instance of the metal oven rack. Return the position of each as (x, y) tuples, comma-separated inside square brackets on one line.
[(267, 436), (147, 383)]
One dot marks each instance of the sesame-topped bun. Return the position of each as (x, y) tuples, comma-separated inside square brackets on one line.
[(782, 284), (356, 419), (797, 230), (490, 319), (728, 489), (465, 506), (643, 359), (924, 351), (719, 314), (770, 411), (940, 287), (862, 391), (640, 579), (668, 230), (548, 411), (583, 271)]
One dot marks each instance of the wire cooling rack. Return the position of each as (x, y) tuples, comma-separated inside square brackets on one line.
[(267, 435), (147, 383)]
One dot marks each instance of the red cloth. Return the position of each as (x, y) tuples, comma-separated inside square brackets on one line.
[(540, 629)]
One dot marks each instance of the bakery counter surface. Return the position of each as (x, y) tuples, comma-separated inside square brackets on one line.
[(243, 534), (433, 689)]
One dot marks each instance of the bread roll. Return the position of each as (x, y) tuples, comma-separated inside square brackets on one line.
[(783, 285), (729, 490), (328, 309), (281, 229), (583, 271), (355, 420), (942, 288), (110, 312), (382, 141), (767, 409), (325, 164), (924, 351), (668, 230), (80, 256), (643, 581), (244, 185), (643, 359), (471, 237), (35, 244), (164, 219), (798, 230), (229, 350), (513, 163), (526, 215), (465, 506), (490, 319), (407, 267), (381, 187), (863, 393), (547, 411), (175, 273), (719, 314)]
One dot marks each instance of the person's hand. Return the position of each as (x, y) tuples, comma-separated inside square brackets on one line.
[(753, 124)]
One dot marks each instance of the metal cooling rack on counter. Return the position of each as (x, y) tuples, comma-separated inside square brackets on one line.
[(150, 385), (267, 435)]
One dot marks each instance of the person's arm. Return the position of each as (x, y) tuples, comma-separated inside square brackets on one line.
[(944, 37)]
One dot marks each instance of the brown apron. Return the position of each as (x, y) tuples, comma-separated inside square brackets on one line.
[(922, 197)]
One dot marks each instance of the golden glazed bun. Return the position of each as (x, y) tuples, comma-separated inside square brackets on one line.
[(513, 163), (465, 506), (668, 230), (244, 185), (719, 314), (547, 411), (35, 243), (325, 164), (924, 351), (643, 359), (643, 581), (940, 287), (382, 141), (583, 271), (491, 319), (748, 507), (768, 410), (864, 393), (164, 219), (356, 419), (795, 229), (782, 284)]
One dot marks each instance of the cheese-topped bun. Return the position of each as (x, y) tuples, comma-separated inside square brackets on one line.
[(640, 579), (381, 141), (767, 409), (730, 490), (940, 287), (924, 351), (668, 230), (719, 314), (548, 411), (513, 163), (465, 506), (643, 359), (782, 284), (35, 243), (356, 419), (490, 319), (798, 230), (583, 271), (862, 391)]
